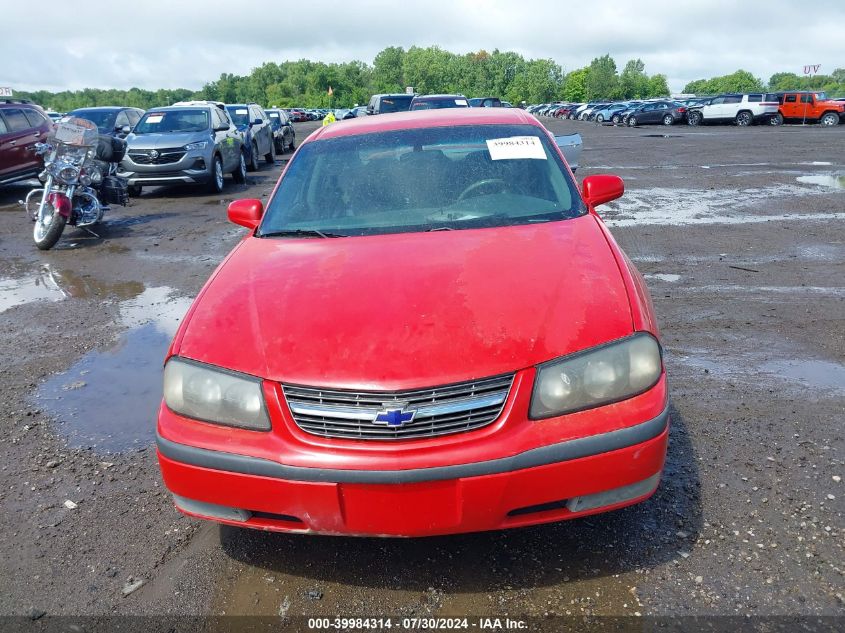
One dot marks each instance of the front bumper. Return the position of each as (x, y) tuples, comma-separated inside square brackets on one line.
[(576, 477), (192, 168)]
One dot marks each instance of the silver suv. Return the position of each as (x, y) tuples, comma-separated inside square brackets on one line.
[(190, 143)]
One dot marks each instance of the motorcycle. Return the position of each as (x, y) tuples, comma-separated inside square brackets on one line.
[(80, 180)]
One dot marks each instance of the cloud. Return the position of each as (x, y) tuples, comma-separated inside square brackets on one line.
[(171, 44)]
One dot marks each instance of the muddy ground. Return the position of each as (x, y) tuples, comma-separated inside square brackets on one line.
[(741, 235)]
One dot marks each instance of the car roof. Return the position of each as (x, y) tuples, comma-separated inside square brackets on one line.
[(426, 119), (443, 96), (182, 106), (105, 108)]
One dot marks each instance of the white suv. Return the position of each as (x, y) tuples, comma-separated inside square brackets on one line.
[(741, 109)]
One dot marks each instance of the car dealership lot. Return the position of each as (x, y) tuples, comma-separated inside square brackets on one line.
[(739, 232)]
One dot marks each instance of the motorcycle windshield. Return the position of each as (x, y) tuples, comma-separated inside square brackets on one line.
[(75, 132)]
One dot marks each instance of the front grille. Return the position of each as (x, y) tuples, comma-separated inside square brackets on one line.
[(437, 411), (162, 157)]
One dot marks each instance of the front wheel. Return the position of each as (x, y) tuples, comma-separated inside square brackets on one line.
[(829, 119), (744, 119), (616, 119), (270, 157), (632, 121), (292, 145), (776, 120), (215, 185), (668, 120), (253, 159), (239, 175), (599, 118), (48, 229), (694, 118)]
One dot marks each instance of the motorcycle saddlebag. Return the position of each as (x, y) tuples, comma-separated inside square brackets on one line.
[(110, 148), (115, 190)]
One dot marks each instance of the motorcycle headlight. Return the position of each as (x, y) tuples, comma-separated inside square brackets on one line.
[(68, 173), (85, 180), (197, 145), (598, 376), (215, 395)]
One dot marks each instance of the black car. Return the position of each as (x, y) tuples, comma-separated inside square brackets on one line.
[(255, 126), (112, 120), (436, 102), (486, 102), (283, 135), (665, 112)]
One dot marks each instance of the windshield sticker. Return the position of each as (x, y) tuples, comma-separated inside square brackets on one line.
[(461, 102), (155, 118), (516, 147), (241, 111)]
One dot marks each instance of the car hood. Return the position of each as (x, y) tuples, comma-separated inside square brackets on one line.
[(409, 310), (164, 139)]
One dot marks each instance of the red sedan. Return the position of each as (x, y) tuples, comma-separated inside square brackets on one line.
[(429, 330)]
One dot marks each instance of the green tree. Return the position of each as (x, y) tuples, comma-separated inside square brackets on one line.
[(657, 86), (575, 85), (633, 82), (602, 81)]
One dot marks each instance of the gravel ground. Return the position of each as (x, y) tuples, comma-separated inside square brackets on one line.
[(744, 257)]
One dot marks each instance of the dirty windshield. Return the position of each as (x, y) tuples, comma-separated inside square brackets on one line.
[(423, 179), (177, 120)]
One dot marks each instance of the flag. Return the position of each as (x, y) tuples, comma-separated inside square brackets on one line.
[(331, 92)]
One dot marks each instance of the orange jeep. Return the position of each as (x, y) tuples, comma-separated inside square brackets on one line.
[(809, 106)]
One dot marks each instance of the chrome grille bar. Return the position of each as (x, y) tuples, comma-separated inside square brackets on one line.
[(436, 411)]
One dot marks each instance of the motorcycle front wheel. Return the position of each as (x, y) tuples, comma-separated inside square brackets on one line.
[(48, 229)]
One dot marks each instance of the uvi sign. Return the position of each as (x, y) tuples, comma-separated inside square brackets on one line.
[(812, 70), (6, 92)]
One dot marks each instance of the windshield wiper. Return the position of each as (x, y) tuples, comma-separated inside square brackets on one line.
[(440, 228), (301, 233)]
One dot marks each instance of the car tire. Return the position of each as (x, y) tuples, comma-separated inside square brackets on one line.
[(616, 119), (744, 118), (292, 145), (215, 183), (252, 165), (270, 157), (776, 120), (599, 118), (632, 121), (134, 191), (829, 119), (668, 120), (239, 175), (694, 118)]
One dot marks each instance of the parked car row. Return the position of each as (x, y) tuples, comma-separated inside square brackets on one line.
[(187, 142), (740, 109)]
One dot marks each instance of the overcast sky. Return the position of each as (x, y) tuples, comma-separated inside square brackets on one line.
[(186, 43)]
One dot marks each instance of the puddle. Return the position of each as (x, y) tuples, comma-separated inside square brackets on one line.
[(218, 203), (836, 182), (51, 284), (662, 135), (108, 400), (813, 373), (678, 207), (819, 375), (668, 277)]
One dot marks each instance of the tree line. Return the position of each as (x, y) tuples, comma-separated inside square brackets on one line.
[(504, 74), (743, 81)]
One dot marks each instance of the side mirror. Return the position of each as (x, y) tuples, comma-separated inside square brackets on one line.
[(221, 128), (258, 122), (601, 188), (246, 212), (125, 129), (369, 109)]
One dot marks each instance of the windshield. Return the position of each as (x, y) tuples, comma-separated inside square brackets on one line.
[(423, 179), (437, 104), (395, 104), (181, 120), (103, 119), (240, 115)]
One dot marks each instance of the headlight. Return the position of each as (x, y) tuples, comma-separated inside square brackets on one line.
[(198, 145), (68, 174), (215, 395), (598, 376)]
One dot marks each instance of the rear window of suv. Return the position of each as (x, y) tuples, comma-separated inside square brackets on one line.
[(755, 98), (16, 120)]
